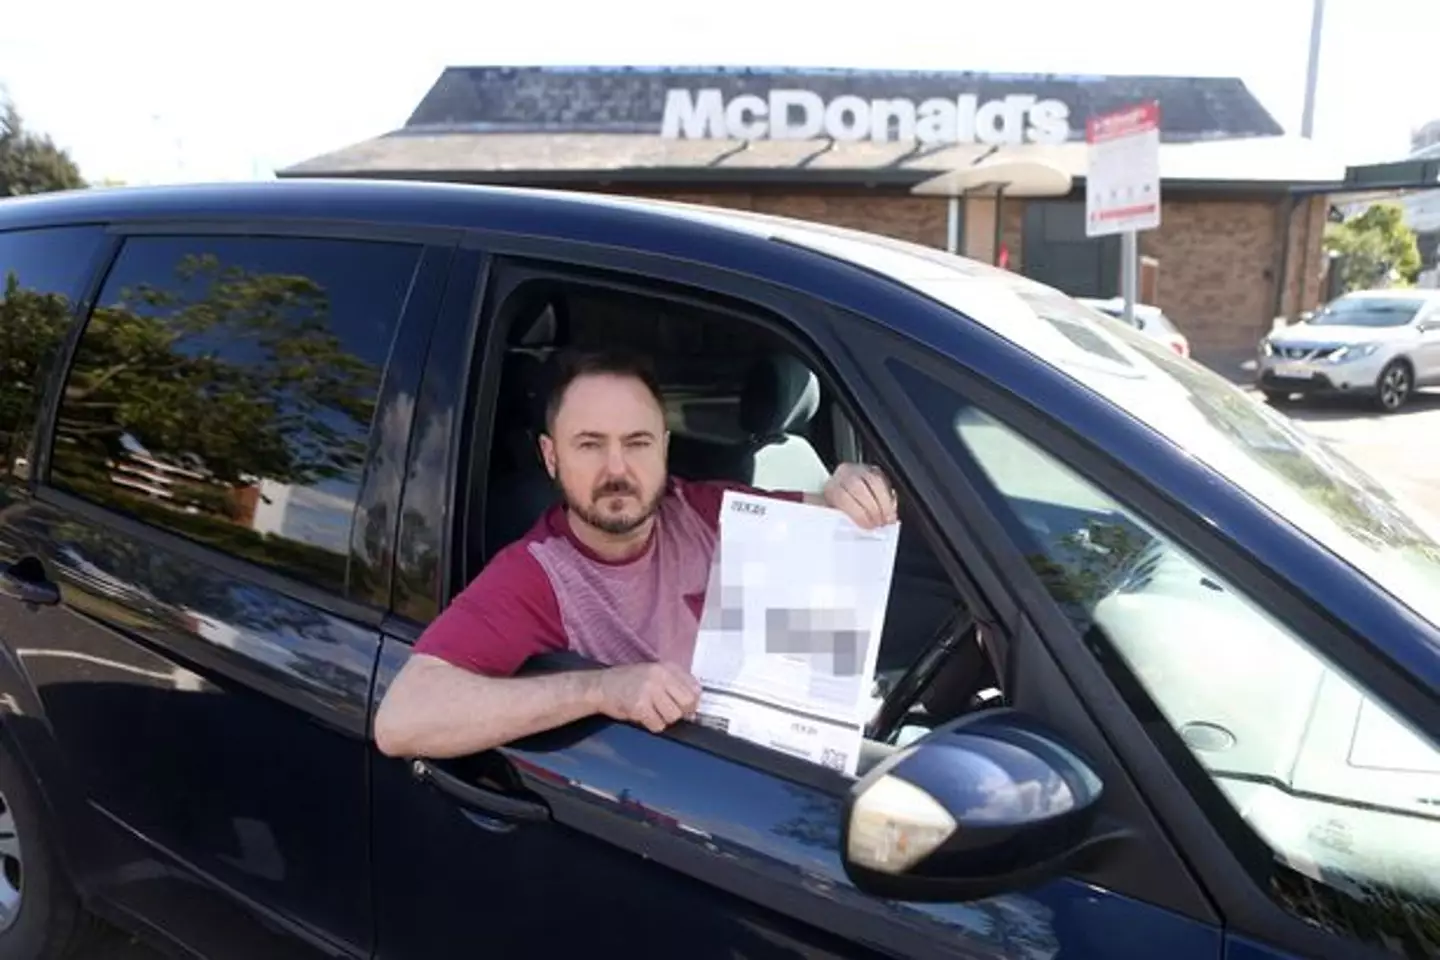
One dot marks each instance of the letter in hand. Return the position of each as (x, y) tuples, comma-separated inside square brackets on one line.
[(653, 695), (863, 493)]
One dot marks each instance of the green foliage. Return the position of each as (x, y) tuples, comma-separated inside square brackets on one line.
[(32, 326), (1372, 244), (29, 162), (149, 366), (224, 376)]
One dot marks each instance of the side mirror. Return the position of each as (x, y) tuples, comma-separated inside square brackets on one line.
[(987, 804)]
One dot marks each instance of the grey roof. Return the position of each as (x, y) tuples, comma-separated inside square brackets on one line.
[(632, 99), (550, 124)]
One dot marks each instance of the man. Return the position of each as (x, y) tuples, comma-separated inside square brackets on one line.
[(618, 573)]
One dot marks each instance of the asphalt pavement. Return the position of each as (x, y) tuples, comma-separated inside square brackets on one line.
[(1398, 449)]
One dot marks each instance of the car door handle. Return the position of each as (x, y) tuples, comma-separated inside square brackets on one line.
[(489, 801), (28, 586)]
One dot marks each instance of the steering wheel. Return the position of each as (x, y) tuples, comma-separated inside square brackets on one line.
[(957, 628)]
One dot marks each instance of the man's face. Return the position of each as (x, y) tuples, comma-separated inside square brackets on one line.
[(607, 451)]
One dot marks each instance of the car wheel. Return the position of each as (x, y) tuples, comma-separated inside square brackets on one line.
[(1275, 397), (1394, 386), (40, 916)]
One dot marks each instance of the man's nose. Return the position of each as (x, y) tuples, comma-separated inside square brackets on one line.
[(615, 463)]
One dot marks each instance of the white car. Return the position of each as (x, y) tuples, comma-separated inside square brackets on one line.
[(1381, 344), (1149, 320)]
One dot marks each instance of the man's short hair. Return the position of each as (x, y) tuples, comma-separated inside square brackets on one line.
[(570, 365)]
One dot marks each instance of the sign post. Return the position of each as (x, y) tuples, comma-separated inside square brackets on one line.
[(1122, 185)]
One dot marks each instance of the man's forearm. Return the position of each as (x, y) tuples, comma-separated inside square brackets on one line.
[(436, 710)]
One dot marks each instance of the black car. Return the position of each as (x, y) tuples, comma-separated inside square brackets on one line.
[(1159, 676)]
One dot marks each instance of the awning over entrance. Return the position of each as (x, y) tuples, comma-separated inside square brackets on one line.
[(1273, 162)]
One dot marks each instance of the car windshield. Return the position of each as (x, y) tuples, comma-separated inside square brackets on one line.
[(1367, 312), (1258, 449)]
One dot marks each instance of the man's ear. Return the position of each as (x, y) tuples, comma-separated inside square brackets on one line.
[(547, 453)]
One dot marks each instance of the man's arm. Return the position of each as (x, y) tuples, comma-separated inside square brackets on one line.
[(458, 693), (435, 709)]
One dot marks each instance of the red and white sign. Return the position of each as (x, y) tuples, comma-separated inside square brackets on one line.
[(1122, 179)]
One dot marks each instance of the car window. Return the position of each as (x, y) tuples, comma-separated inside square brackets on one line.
[(223, 390), (1368, 312), (1343, 795), (42, 276)]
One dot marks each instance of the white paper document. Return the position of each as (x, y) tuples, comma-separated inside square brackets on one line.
[(790, 632)]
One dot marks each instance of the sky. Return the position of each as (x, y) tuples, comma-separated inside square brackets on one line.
[(150, 91)]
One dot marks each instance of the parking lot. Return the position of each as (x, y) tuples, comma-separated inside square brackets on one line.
[(1398, 449)]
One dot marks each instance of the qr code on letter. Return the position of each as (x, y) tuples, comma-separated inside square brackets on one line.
[(834, 759)]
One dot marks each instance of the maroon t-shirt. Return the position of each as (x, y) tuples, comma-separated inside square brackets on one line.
[(549, 592)]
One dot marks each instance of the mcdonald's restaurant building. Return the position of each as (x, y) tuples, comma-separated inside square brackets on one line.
[(1243, 204)]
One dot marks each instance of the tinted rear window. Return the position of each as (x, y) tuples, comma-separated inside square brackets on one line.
[(42, 276), (224, 389)]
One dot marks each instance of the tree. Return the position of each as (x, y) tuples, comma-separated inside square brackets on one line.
[(31, 162), (1374, 244)]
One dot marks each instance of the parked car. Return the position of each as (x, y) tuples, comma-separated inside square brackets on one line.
[(1149, 320), (1379, 344), (1160, 674)]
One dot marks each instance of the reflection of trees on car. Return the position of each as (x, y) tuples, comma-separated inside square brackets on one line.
[(219, 390), (32, 327), (1083, 566), (816, 822), (166, 371), (1360, 907)]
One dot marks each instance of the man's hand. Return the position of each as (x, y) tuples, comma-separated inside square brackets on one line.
[(863, 494), (653, 695)]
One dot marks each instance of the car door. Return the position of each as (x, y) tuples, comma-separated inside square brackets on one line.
[(209, 540), (600, 837), (1298, 770)]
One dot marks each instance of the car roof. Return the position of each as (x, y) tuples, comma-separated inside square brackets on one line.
[(1392, 293), (645, 224)]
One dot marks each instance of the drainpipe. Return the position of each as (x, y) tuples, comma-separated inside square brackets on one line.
[(1305, 256), (1283, 280), (999, 223)]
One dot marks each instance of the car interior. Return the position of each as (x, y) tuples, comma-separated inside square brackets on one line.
[(741, 405)]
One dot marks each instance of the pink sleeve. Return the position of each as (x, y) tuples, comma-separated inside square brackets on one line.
[(706, 496), (506, 615)]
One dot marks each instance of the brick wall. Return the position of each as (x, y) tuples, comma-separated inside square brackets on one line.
[(1219, 259), (1218, 263)]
